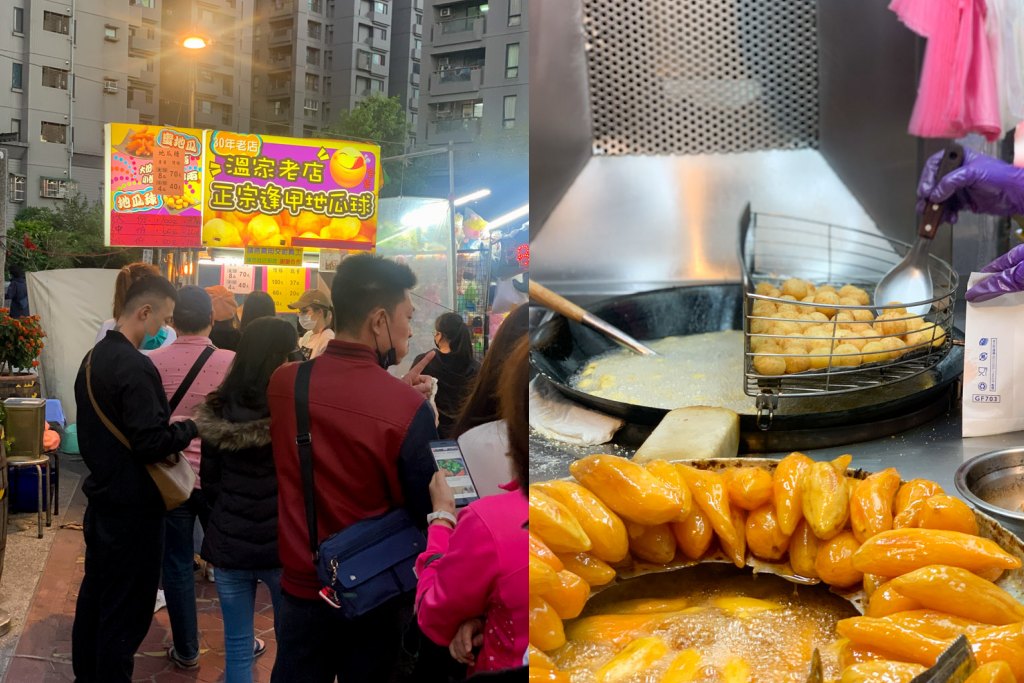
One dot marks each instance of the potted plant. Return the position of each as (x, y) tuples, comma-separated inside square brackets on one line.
[(21, 341)]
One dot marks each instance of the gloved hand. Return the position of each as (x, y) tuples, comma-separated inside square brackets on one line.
[(1009, 276), (982, 184)]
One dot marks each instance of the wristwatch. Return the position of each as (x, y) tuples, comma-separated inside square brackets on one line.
[(441, 514)]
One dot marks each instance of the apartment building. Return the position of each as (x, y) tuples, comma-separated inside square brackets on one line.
[(221, 72), (476, 77), (407, 58), (64, 75), (66, 69), (316, 58)]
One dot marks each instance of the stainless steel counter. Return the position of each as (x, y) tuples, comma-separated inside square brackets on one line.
[(932, 451)]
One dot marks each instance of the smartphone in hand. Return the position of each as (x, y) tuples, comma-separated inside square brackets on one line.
[(448, 457)]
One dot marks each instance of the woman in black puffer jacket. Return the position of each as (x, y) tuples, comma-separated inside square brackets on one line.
[(239, 482)]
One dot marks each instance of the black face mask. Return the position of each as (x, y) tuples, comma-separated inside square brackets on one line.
[(389, 357)]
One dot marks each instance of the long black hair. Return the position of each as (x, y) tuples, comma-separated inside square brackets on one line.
[(482, 404), (257, 305), (263, 348), (453, 329)]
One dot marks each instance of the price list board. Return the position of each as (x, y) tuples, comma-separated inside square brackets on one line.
[(285, 286)]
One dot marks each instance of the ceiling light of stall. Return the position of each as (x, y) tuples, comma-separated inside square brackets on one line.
[(472, 197), (509, 217)]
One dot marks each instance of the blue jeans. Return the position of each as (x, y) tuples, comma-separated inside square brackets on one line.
[(236, 589), (178, 577)]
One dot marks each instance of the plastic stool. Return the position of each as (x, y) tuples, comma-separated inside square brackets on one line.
[(40, 462)]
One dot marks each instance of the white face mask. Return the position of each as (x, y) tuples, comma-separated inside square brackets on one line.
[(307, 322)]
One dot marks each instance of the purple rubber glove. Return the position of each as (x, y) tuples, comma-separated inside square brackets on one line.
[(1009, 276), (982, 184)]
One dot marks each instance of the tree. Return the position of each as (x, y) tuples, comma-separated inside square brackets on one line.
[(69, 235), (380, 120)]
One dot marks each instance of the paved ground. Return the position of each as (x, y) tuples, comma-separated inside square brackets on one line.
[(39, 645)]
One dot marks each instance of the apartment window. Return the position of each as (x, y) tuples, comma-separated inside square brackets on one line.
[(149, 65), (329, 34), (508, 119), (110, 33), (55, 23), (55, 78), (53, 188), (327, 86), (316, 6), (366, 7), (227, 86), (148, 4), (313, 56), (380, 7), (16, 128), (19, 19), (378, 59), (512, 60), (364, 33), (327, 114), (417, 43), (279, 107), (380, 33), (414, 118), (205, 106), (313, 82), (515, 12), (150, 33), (313, 29), (310, 107), (362, 85), (376, 86), (415, 94), (53, 132), (328, 59), (16, 81), (16, 187)]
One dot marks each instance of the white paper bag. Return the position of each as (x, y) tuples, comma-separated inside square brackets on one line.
[(993, 401)]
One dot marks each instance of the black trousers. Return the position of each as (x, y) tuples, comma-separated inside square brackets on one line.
[(115, 602), (315, 646)]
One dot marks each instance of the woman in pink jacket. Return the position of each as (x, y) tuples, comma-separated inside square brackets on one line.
[(472, 591)]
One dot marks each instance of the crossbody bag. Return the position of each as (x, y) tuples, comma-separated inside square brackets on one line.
[(173, 475), (367, 563)]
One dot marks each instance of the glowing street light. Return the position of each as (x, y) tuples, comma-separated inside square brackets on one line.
[(194, 42)]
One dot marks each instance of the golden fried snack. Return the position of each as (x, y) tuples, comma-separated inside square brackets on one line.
[(871, 503), (628, 489), (958, 592), (555, 525), (898, 551), (603, 527)]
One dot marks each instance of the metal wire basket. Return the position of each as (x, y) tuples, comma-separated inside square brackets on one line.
[(774, 248)]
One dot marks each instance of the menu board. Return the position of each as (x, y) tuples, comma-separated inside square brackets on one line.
[(269, 191), (285, 286), (238, 279), (154, 188)]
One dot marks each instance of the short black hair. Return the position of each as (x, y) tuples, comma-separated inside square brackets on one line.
[(148, 289), (364, 282), (194, 310)]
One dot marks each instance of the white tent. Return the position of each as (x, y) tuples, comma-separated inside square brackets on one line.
[(72, 304)]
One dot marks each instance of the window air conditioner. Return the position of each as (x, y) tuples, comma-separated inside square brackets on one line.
[(445, 11), (110, 87)]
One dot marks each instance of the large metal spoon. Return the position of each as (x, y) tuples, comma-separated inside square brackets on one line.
[(910, 280), (559, 304)]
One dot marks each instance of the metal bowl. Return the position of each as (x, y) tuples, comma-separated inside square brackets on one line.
[(993, 482)]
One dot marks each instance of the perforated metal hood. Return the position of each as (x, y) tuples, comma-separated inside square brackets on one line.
[(653, 124)]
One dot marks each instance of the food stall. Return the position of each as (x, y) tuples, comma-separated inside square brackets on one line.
[(722, 166)]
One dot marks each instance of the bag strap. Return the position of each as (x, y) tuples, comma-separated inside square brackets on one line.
[(191, 377), (96, 406), (304, 440)]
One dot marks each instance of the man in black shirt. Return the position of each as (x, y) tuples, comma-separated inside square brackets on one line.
[(124, 520)]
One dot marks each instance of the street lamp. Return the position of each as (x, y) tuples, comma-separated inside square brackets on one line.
[(193, 43)]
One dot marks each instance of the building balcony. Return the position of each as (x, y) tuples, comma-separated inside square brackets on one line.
[(417, 29), (145, 108), (454, 31), (282, 36), (453, 130), (280, 63), (280, 8), (456, 80), (416, 53), (279, 88), (282, 116), (140, 43)]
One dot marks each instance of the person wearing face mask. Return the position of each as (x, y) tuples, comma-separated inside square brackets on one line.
[(129, 275), (123, 425), (369, 436), (316, 316)]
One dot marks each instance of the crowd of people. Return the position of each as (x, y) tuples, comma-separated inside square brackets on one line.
[(248, 403)]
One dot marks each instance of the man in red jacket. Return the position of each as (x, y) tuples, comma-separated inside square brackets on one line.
[(370, 436)]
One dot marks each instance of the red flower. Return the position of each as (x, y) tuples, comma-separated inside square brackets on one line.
[(35, 364)]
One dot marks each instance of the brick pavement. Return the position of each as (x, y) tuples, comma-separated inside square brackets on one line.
[(43, 653)]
